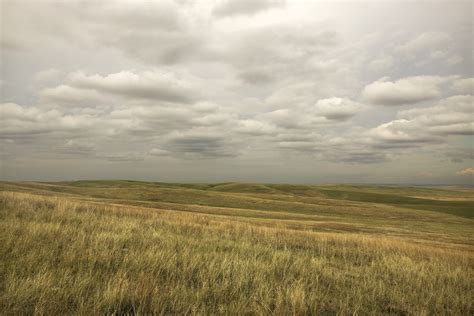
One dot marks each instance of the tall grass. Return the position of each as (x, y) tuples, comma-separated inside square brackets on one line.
[(61, 256)]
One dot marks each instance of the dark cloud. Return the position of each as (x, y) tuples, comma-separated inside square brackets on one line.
[(369, 157), (459, 155), (125, 157), (200, 146), (255, 77)]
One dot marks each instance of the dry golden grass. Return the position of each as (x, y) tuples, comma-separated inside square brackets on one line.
[(64, 256)]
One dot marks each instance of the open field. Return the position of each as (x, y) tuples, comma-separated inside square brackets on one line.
[(90, 247)]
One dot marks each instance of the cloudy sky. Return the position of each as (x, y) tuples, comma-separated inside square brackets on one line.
[(237, 90)]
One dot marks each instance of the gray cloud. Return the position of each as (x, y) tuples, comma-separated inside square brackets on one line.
[(200, 146), (149, 31), (459, 155), (158, 152), (323, 112), (20, 121), (366, 157), (277, 46), (255, 77), (464, 85), (83, 147), (427, 41), (382, 63), (125, 157), (245, 7), (219, 84), (161, 86), (161, 120), (47, 76), (64, 93), (255, 127)]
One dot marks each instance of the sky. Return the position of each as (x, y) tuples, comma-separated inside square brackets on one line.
[(237, 90)]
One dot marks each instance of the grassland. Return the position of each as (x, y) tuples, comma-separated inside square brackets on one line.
[(94, 247)]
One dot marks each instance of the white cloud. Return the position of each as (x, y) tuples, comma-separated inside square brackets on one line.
[(152, 85), (158, 152), (450, 117), (327, 111), (255, 127), (404, 91), (400, 133), (337, 109), (466, 172), (22, 121), (64, 93)]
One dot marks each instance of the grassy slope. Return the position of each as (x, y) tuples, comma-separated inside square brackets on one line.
[(177, 248), (456, 207), (457, 202)]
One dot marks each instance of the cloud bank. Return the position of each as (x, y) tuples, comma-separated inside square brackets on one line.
[(264, 90)]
